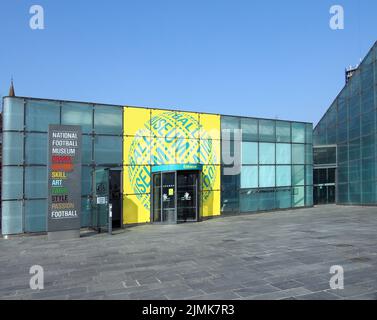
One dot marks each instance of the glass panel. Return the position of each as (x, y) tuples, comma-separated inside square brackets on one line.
[(35, 182), (11, 217), (368, 146), (354, 149), (228, 154), (249, 129), (36, 148), (249, 153), (368, 169), (325, 155), (354, 170), (283, 131), (86, 180), (99, 214), (354, 99), (283, 176), (298, 153), (229, 199), (108, 150), (283, 198), (355, 192), (283, 153), (367, 100), (85, 212), (343, 193), (266, 176), (13, 114), (86, 153), (249, 200), (267, 130), (108, 120), (168, 197), (309, 175), (298, 176), (309, 133), (354, 128), (79, 114), (266, 153), (309, 196), (368, 195), (331, 175), (12, 183), (230, 122), (368, 123), (299, 197), (231, 181), (267, 199), (342, 109), (187, 185), (35, 215), (228, 125), (342, 172), (331, 135), (322, 176), (309, 154), (342, 153), (13, 147), (249, 177), (157, 197), (298, 132), (39, 114)]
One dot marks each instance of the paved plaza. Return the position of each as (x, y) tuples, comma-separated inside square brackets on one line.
[(274, 255)]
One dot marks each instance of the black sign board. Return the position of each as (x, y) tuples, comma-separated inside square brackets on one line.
[(64, 179)]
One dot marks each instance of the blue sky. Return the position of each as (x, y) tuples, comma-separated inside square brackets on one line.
[(272, 59)]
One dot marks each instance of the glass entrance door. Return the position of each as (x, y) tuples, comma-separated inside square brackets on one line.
[(164, 197), (187, 193), (175, 197), (99, 214), (168, 197), (156, 198), (324, 191)]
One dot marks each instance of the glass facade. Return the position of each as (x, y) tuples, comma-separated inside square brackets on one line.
[(350, 124), (275, 173), (25, 126), (276, 165)]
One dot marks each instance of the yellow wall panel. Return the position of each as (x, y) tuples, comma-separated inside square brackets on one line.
[(133, 212), (137, 150), (163, 151), (211, 204), (136, 121), (211, 176), (187, 151), (210, 151), (210, 124), (136, 179), (188, 125), (163, 123)]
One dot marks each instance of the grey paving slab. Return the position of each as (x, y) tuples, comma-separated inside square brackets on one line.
[(279, 255), (322, 295)]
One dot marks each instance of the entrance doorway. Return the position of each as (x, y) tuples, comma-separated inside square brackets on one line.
[(175, 196), (107, 194), (324, 186)]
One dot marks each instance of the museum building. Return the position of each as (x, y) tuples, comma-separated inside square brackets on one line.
[(170, 166)]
